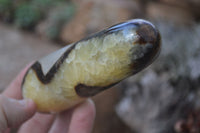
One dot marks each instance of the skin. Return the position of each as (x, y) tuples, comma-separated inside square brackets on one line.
[(21, 113)]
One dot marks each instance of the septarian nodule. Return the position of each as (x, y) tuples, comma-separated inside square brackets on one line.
[(82, 69)]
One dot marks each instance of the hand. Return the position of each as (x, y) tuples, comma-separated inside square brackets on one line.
[(22, 113)]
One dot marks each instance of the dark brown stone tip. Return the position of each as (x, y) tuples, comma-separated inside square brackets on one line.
[(150, 39), (147, 34)]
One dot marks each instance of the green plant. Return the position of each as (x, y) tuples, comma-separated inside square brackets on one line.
[(27, 16), (6, 8), (5, 5), (61, 15), (45, 4)]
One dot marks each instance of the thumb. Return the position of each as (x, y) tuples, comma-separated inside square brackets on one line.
[(15, 112)]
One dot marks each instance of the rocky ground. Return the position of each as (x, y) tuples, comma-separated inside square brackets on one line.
[(164, 98)]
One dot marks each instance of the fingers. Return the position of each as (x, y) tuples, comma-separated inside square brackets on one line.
[(40, 123), (14, 112), (83, 118), (61, 123), (14, 89), (78, 120)]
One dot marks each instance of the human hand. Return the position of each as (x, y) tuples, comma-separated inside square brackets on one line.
[(15, 112)]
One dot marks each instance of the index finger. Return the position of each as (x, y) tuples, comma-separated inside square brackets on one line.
[(14, 89)]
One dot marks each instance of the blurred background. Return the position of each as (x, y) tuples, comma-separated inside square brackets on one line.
[(164, 98)]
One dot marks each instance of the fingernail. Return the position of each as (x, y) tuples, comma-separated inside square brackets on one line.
[(23, 102), (90, 101), (30, 103), (26, 102)]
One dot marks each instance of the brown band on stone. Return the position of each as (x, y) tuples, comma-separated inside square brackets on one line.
[(45, 79), (83, 90)]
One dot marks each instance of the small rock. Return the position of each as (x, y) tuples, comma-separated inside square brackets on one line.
[(94, 15), (190, 5), (170, 13), (77, 27)]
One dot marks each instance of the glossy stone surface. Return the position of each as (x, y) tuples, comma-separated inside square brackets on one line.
[(83, 69)]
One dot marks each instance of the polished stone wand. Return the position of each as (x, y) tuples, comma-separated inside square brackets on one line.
[(82, 69)]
